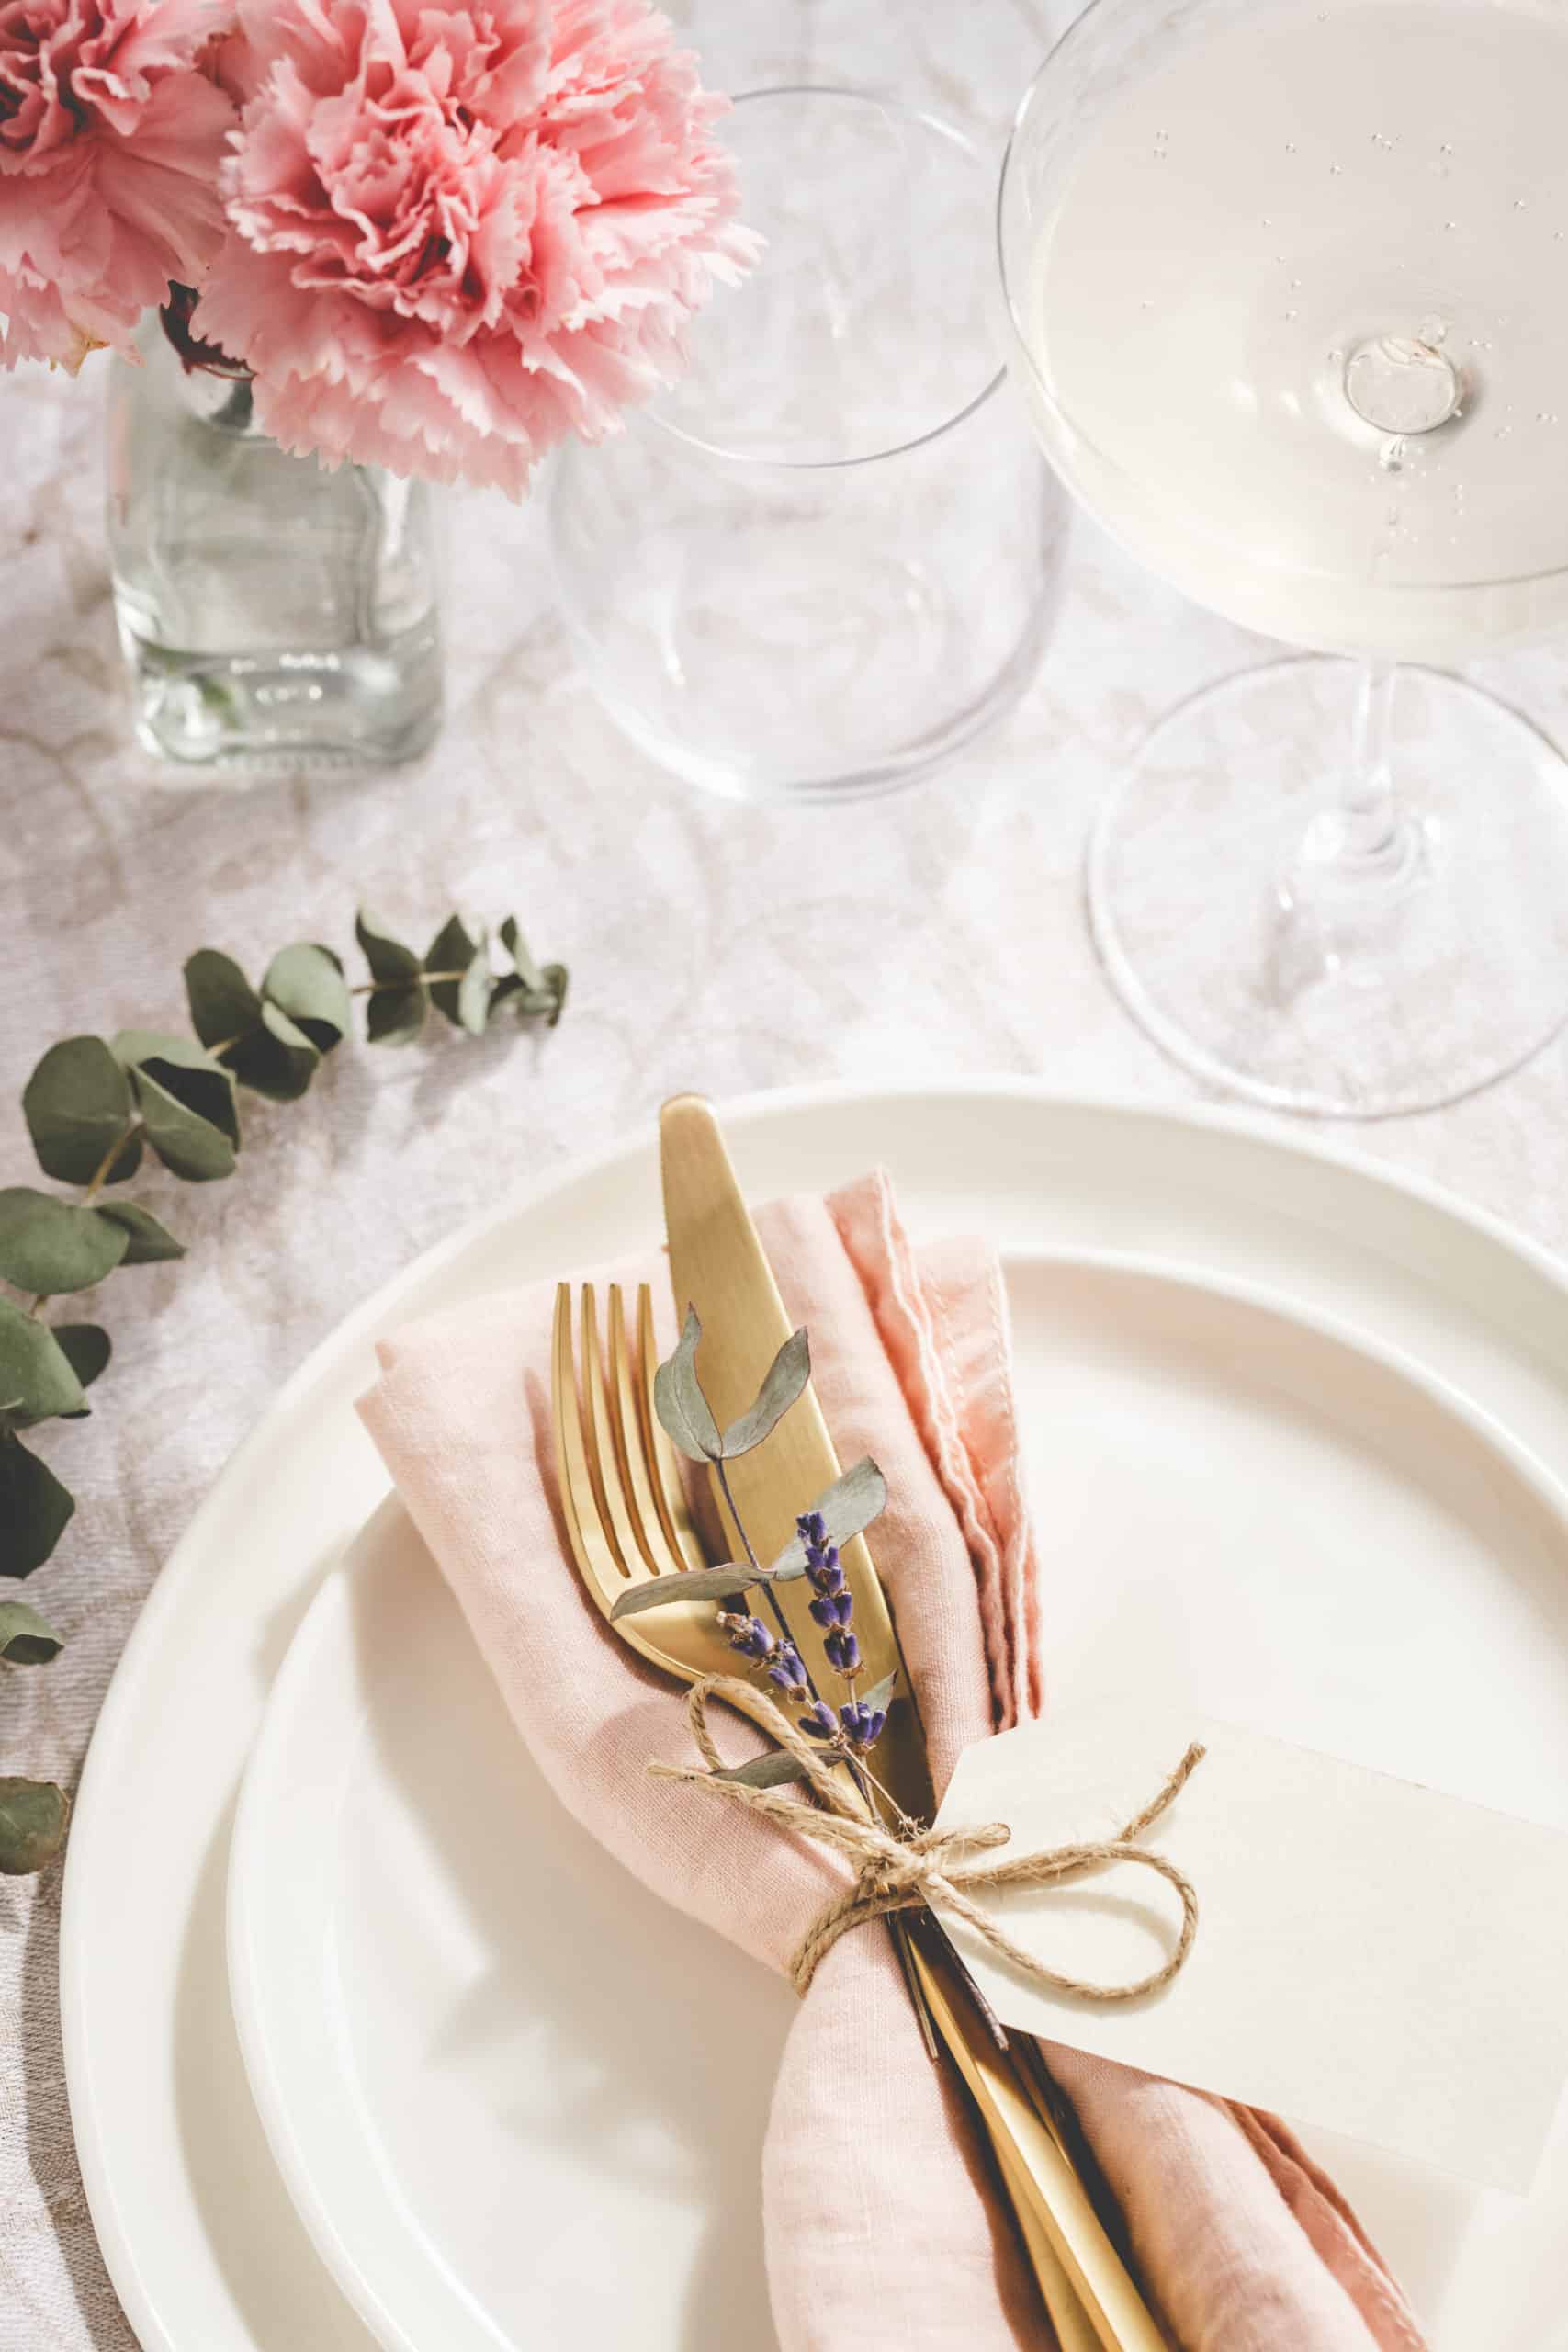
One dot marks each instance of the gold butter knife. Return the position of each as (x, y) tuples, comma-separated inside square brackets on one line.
[(717, 1266)]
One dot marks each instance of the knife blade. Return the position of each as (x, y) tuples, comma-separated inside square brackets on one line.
[(718, 1266)]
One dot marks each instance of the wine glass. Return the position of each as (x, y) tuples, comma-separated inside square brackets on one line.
[(830, 554), (1288, 293)]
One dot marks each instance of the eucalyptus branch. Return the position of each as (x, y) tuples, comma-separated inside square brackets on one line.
[(94, 1108)]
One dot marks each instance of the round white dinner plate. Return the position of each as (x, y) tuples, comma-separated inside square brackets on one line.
[(203, 2245), (484, 2056)]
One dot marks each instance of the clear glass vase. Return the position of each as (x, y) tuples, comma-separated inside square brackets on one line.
[(272, 613)]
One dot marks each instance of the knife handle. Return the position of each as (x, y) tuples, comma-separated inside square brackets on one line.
[(1092, 2300)]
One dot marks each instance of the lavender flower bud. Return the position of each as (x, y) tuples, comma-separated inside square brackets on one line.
[(832, 1609), (748, 1635), (811, 1527), (861, 1725), (821, 1723), (842, 1652), (789, 1673), (823, 1569)]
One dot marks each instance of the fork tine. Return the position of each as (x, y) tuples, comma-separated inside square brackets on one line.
[(644, 1498), (602, 1452), (597, 1564), (664, 1477)]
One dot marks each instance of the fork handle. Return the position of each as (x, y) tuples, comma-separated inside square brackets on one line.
[(1092, 2300)]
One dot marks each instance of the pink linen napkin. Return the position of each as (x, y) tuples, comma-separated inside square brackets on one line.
[(882, 2225)]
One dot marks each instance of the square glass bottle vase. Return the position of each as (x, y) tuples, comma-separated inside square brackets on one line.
[(273, 615)]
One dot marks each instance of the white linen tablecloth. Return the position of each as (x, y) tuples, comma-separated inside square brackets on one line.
[(937, 933)]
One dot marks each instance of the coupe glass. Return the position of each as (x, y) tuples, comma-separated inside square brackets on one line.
[(1286, 288), (831, 554)]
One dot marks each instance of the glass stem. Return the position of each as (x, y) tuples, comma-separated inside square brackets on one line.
[(1370, 829), (1364, 848)]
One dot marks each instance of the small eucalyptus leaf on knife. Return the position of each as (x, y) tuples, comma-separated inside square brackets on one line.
[(683, 1411), (787, 1377), (846, 1509)]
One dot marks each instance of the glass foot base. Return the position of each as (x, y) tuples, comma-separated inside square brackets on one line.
[(258, 714), (1256, 962)]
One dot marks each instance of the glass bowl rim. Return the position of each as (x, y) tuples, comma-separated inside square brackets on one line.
[(1095, 12), (747, 460)]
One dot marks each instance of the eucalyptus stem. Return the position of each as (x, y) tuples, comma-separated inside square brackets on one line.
[(94, 1105)]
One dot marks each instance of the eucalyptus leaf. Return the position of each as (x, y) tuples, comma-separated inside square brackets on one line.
[(880, 1694), (26, 1638), (536, 993), (787, 1377), (189, 1145), (556, 984), (77, 1102), (34, 1816), (277, 1059), (528, 1004), (691, 1584), (51, 1246), (224, 1007), (774, 1771), (517, 946), (305, 983), (396, 1009), (846, 1509), (149, 1242), (683, 1411), (388, 958), (455, 949), (186, 1101), (86, 1347), (35, 1510), (37, 1383), (396, 1016)]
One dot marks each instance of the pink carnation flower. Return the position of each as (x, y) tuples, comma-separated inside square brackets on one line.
[(457, 235), (110, 143)]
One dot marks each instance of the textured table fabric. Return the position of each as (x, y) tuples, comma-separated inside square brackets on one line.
[(934, 933)]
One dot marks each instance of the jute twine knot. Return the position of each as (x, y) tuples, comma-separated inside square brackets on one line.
[(928, 1866)]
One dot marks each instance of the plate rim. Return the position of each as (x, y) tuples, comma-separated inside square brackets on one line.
[(117, 1717)]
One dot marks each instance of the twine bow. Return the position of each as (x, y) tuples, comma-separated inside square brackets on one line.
[(928, 1866)]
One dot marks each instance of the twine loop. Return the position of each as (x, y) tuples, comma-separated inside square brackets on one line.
[(944, 1868)]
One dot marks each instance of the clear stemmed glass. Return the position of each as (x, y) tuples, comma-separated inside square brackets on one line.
[(1286, 289)]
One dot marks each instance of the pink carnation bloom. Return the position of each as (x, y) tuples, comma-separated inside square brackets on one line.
[(110, 143), (457, 235)]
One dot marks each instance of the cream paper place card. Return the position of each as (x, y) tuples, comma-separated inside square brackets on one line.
[(1372, 1959)]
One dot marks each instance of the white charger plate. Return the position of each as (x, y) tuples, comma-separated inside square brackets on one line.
[(204, 2246), (442, 1985)]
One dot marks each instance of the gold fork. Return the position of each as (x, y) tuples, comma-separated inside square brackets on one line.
[(627, 1520)]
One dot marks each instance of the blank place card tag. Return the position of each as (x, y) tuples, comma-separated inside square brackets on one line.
[(1372, 1959)]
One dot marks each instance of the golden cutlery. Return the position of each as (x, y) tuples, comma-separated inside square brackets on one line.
[(719, 1265), (626, 1519)]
